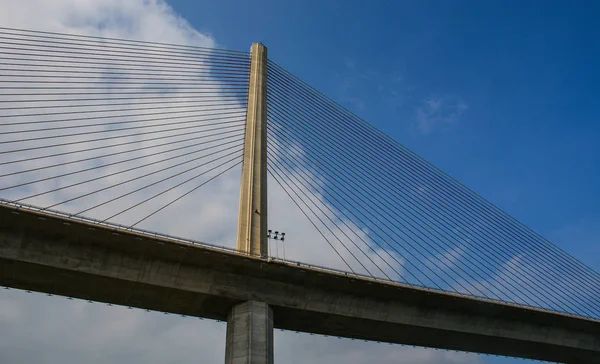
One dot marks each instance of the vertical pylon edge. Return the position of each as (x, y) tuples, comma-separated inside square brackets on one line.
[(252, 217)]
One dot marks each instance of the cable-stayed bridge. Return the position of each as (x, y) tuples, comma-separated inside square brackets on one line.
[(103, 140)]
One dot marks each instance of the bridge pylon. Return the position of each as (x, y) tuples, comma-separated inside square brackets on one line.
[(250, 324), (252, 218)]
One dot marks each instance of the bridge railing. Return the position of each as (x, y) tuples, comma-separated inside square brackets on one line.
[(151, 234)]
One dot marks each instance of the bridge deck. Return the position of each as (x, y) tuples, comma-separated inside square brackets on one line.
[(47, 253)]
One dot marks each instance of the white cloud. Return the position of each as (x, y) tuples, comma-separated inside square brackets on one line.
[(35, 328), (356, 84), (439, 113), (147, 20)]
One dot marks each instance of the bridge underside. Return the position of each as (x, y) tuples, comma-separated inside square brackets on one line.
[(44, 253)]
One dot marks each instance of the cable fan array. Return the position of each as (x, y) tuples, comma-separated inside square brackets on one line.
[(112, 127), (390, 214), (121, 129)]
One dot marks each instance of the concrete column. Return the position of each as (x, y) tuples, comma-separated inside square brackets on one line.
[(249, 334), (252, 218)]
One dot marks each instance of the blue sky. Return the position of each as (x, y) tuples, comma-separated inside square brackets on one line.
[(501, 95)]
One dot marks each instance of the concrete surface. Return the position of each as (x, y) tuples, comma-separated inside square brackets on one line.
[(249, 334), (56, 255), (252, 217)]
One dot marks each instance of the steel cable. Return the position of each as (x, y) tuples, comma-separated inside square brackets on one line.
[(361, 134)]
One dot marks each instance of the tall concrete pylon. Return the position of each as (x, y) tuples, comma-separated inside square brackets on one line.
[(252, 218), (250, 324)]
